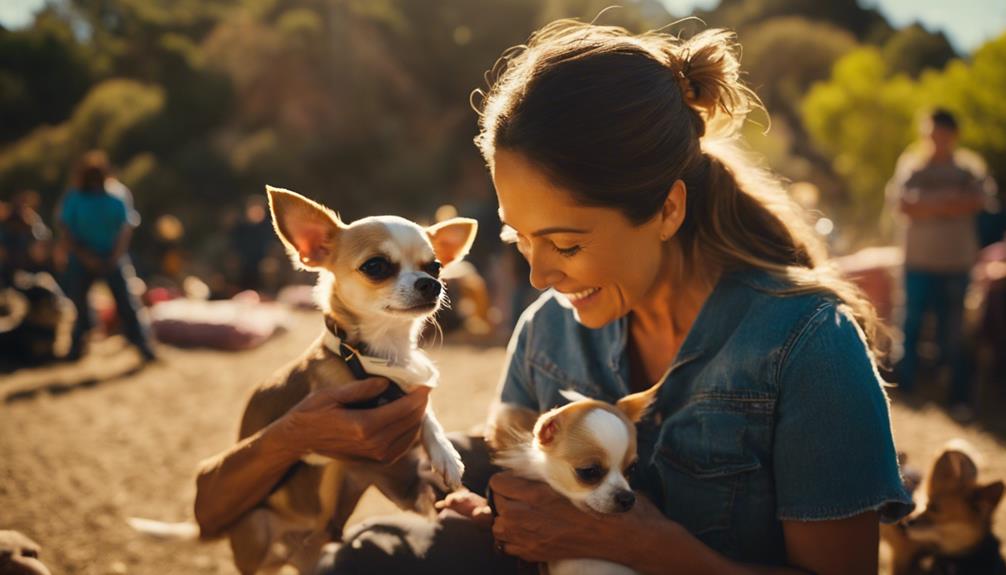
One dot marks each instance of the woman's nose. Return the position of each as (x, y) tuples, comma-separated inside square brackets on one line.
[(543, 273)]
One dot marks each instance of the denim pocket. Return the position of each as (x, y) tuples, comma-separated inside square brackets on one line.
[(703, 460)]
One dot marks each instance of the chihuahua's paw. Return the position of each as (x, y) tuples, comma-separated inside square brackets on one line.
[(447, 464)]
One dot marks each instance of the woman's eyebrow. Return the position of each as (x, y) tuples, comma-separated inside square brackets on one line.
[(551, 230)]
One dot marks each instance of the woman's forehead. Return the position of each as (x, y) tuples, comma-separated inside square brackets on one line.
[(528, 198)]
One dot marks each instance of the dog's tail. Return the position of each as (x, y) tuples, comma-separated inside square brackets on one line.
[(180, 531)]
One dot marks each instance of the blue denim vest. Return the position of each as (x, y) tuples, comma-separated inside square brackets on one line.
[(773, 410)]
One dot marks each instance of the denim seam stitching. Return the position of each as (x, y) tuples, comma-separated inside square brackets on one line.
[(797, 337), (833, 512)]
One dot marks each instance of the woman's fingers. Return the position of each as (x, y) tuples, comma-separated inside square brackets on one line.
[(404, 406), (511, 486), (358, 390), (398, 446)]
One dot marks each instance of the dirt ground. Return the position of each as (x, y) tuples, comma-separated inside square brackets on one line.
[(83, 447)]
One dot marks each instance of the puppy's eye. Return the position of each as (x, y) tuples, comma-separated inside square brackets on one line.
[(378, 268), (432, 268), (591, 474)]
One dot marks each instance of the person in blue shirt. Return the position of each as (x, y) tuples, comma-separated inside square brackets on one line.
[(97, 222)]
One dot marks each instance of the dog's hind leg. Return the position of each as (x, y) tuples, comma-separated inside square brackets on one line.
[(251, 539), (406, 485), (347, 486)]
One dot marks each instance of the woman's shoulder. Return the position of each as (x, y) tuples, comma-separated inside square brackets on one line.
[(774, 315)]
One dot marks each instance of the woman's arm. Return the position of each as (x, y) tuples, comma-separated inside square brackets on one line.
[(234, 481), (537, 524)]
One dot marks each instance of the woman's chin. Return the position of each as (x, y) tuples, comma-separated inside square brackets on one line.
[(593, 318)]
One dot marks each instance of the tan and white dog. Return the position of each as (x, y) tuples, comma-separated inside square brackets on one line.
[(378, 285), (583, 450)]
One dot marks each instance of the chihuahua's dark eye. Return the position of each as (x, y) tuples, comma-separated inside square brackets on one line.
[(432, 268), (378, 268), (591, 474)]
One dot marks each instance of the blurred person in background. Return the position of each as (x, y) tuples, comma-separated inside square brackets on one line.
[(25, 236), (251, 238), (940, 190), (97, 220)]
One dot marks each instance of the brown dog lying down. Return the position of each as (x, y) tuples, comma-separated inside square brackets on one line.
[(953, 532), (19, 555)]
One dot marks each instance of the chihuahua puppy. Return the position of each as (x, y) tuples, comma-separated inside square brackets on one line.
[(583, 450), (379, 283), (953, 533)]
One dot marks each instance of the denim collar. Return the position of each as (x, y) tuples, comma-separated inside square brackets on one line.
[(715, 322)]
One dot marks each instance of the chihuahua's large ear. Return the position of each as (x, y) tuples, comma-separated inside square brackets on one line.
[(452, 238), (954, 469), (308, 229), (547, 426), (987, 497), (634, 405)]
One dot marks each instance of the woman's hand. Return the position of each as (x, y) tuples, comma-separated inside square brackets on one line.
[(537, 524), (321, 424), (232, 482)]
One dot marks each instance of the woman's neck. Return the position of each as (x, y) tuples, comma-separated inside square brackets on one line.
[(659, 324), (670, 307)]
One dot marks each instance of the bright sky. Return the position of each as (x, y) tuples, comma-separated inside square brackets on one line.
[(967, 23)]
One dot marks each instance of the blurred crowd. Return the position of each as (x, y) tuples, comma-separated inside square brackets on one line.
[(48, 308)]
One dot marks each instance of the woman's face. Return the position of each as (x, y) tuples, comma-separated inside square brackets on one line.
[(600, 261)]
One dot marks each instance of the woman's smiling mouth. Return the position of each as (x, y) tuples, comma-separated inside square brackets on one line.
[(581, 298)]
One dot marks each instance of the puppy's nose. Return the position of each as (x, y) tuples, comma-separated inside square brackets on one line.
[(625, 500), (429, 288)]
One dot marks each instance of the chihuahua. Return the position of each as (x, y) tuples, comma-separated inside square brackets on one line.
[(953, 534), (379, 283), (583, 450)]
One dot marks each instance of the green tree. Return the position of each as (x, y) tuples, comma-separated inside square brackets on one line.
[(44, 72), (913, 49), (862, 119), (864, 116)]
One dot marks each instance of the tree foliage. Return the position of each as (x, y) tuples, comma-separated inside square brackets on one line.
[(865, 115)]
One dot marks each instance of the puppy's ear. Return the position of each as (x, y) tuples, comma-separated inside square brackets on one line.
[(987, 497), (952, 471), (309, 230), (634, 405), (452, 238), (547, 426)]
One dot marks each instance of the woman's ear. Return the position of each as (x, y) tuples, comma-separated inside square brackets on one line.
[(308, 230), (452, 238), (672, 214)]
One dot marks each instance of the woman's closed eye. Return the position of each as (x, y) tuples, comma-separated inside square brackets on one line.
[(567, 252)]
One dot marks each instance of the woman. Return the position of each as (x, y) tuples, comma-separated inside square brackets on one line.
[(669, 257)]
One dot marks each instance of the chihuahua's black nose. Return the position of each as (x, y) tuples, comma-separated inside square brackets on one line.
[(625, 500), (429, 288)]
